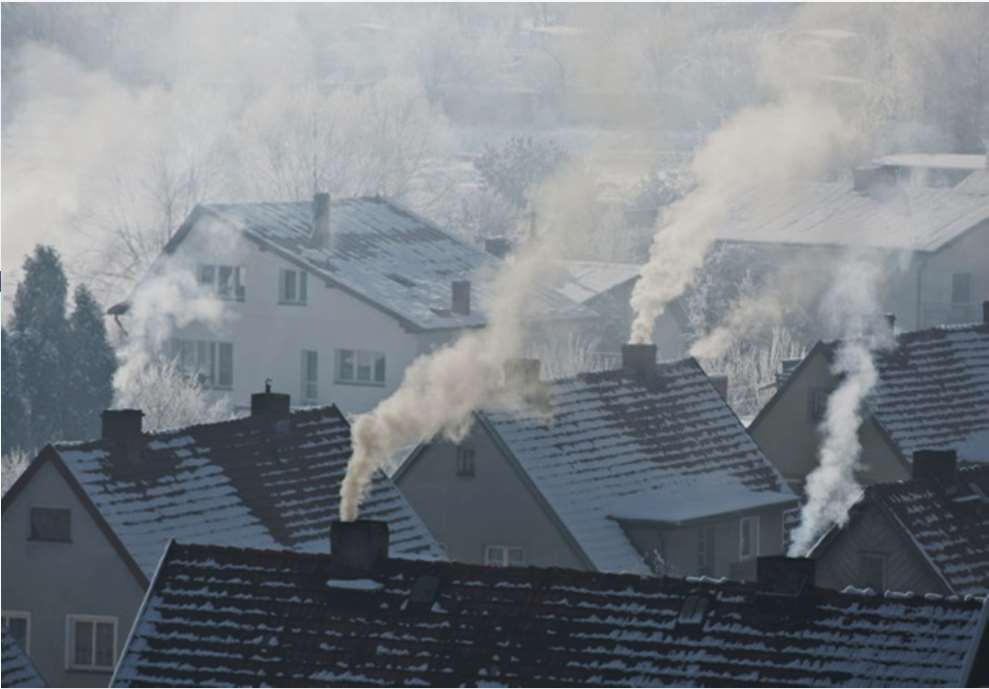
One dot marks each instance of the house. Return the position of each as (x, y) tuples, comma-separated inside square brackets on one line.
[(933, 169), (932, 392), (84, 527), (244, 617), (17, 669), (932, 242), (641, 469), (928, 534), (330, 300)]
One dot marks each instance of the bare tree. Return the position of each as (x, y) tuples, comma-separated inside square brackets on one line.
[(168, 396)]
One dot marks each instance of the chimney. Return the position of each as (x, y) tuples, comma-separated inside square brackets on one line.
[(499, 246), (720, 384), (272, 406), (891, 322), (321, 237), (936, 465), (639, 362), (985, 312), (122, 431), (785, 576), (460, 297), (358, 546)]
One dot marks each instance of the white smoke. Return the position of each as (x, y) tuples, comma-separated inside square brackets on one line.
[(441, 390), (832, 488)]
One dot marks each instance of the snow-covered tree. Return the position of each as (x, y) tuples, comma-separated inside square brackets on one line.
[(168, 396), (89, 379), (14, 422)]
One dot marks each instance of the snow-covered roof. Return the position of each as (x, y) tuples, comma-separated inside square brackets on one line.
[(942, 161), (237, 482), (581, 281), (384, 254), (933, 391), (911, 217), (613, 439), (948, 523), (234, 617), (17, 669)]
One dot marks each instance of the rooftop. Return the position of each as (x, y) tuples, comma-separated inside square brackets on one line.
[(616, 440), (582, 281), (17, 668), (942, 161), (235, 482), (230, 616), (384, 254)]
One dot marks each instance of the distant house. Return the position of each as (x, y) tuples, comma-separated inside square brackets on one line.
[(933, 392), (928, 534), (330, 300), (220, 616), (932, 241), (640, 469), (933, 169), (17, 669), (84, 527)]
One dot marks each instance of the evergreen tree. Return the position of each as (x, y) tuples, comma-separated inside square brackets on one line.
[(14, 415), (89, 378), (38, 335)]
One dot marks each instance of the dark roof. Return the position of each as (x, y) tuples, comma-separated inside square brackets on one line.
[(933, 391), (948, 524), (227, 616), (17, 669), (384, 254), (236, 482), (618, 448)]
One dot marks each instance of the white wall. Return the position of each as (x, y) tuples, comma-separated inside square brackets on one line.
[(269, 337)]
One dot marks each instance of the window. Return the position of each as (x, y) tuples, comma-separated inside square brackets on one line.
[(360, 367), (872, 571), (705, 550), (17, 623), (503, 556), (817, 404), (748, 538), (310, 375), (292, 287), (91, 642), (210, 363), (465, 461), (226, 282), (51, 524), (961, 288)]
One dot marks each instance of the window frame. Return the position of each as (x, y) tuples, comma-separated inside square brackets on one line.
[(372, 360), (71, 619), (506, 555), (300, 287), (204, 361), (754, 520), (309, 384), (208, 276), (466, 457), (30, 533), (25, 615)]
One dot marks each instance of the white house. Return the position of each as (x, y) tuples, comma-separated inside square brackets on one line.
[(331, 301)]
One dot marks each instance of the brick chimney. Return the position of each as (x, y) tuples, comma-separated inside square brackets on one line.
[(460, 297), (936, 465), (358, 546), (785, 576), (321, 235), (639, 362), (275, 407), (122, 431), (720, 384)]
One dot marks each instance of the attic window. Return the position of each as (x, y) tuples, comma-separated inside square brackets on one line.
[(51, 524), (405, 282), (693, 610)]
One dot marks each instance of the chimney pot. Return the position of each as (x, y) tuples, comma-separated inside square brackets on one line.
[(460, 297), (275, 407), (788, 576), (321, 237), (720, 384), (639, 362), (936, 465), (122, 429), (358, 546)]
